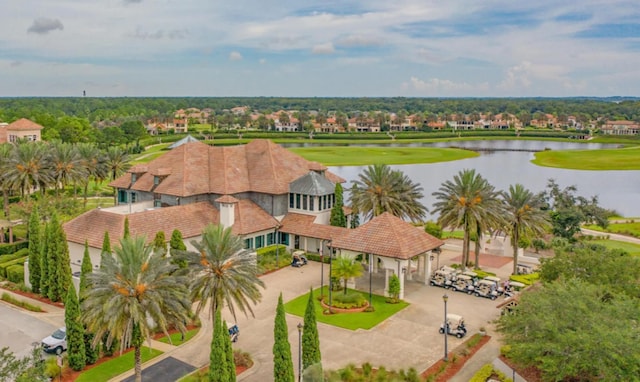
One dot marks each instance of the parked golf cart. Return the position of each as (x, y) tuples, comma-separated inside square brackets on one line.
[(496, 281), (463, 283), (298, 259), (512, 287), (524, 269), (487, 289), (442, 278), (455, 326), (234, 332)]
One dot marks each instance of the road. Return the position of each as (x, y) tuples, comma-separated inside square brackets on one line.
[(20, 329)]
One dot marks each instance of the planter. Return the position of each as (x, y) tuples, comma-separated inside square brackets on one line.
[(342, 310)]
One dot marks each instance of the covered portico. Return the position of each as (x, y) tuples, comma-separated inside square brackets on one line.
[(392, 245)]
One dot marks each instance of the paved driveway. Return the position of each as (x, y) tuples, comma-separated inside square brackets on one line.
[(20, 329)]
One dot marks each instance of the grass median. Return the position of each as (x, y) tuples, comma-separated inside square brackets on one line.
[(361, 156), (116, 366), (600, 160), (351, 321)]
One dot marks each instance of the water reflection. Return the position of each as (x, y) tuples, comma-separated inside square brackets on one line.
[(618, 190)]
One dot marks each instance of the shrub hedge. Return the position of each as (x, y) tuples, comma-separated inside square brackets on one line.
[(487, 371), (6, 249), (316, 257), (525, 279), (15, 273), (4, 266), (21, 253)]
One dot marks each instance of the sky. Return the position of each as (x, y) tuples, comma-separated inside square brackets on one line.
[(320, 48)]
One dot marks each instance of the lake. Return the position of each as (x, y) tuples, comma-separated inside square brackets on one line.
[(617, 190)]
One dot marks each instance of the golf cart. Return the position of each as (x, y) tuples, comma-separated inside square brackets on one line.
[(524, 269), (463, 283), (496, 281), (299, 259), (455, 326), (512, 287), (234, 332), (486, 288), (442, 278)]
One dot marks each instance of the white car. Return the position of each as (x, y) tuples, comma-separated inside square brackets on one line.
[(56, 342)]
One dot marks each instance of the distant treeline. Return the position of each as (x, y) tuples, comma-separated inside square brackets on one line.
[(46, 111)]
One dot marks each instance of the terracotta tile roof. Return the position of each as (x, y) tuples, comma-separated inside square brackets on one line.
[(227, 199), (389, 236), (259, 166), (303, 225), (250, 218), (189, 219), (24, 124)]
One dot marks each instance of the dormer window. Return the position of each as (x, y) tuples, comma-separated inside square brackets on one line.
[(156, 180), (134, 177)]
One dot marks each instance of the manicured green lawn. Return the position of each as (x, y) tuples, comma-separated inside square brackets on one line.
[(609, 159), (352, 321), (358, 156), (632, 229), (632, 249), (106, 371), (176, 338)]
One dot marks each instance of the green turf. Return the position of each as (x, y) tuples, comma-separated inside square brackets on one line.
[(358, 156), (107, 370), (609, 159), (627, 228), (632, 249), (176, 338), (352, 321)]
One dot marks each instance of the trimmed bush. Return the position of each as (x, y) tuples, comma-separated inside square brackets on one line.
[(316, 257), (21, 253), (15, 273), (6, 249), (348, 301), (487, 371), (525, 279), (4, 266)]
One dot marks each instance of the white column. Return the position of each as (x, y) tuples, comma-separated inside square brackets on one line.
[(386, 282), (427, 267), (402, 277)]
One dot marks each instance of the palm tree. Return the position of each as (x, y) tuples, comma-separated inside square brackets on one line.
[(525, 217), (132, 295), (468, 202), (223, 271), (380, 189), (66, 165), (117, 161), (6, 151), (94, 161), (29, 167), (345, 268)]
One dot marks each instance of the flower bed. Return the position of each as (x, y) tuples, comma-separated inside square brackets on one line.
[(343, 310), (442, 371)]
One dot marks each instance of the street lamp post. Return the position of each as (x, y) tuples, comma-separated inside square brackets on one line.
[(330, 276), (445, 298), (299, 352), (370, 272), (277, 248), (321, 250)]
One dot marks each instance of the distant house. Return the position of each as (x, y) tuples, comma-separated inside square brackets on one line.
[(22, 129), (621, 128), (265, 193)]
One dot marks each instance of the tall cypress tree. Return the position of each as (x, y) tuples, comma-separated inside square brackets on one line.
[(231, 363), (282, 362), (44, 261), (106, 244), (310, 339), (218, 369), (91, 353), (126, 228), (35, 249), (176, 244), (160, 243), (58, 261), (75, 330), (337, 213)]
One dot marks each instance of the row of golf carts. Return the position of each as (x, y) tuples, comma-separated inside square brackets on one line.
[(469, 282)]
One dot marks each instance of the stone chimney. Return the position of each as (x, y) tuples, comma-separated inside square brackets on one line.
[(227, 210)]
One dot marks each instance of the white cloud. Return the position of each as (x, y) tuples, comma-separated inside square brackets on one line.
[(326, 48), (235, 56), (45, 25)]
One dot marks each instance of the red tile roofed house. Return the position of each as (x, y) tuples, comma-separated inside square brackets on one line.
[(249, 183), (621, 128), (266, 193), (20, 129)]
